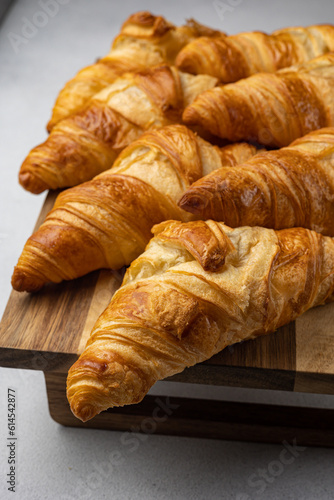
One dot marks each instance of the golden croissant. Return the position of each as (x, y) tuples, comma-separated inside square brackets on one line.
[(272, 109), (106, 223), (231, 58), (289, 187), (144, 41), (87, 143), (199, 287)]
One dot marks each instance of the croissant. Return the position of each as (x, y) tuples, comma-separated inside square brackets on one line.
[(144, 41), (272, 109), (199, 287), (289, 187), (87, 143), (230, 58), (106, 223)]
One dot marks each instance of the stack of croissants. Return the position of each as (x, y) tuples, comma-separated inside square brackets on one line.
[(221, 148)]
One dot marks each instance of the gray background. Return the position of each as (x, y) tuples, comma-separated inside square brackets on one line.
[(63, 463)]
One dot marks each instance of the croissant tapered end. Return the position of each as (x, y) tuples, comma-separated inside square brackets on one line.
[(200, 198), (201, 112), (52, 122), (102, 380), (31, 182), (85, 388), (193, 203), (202, 30), (144, 24), (202, 56), (204, 201), (24, 282), (82, 410)]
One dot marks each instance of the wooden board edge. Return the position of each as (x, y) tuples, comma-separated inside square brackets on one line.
[(315, 383), (289, 426), (237, 376), (202, 373), (36, 360)]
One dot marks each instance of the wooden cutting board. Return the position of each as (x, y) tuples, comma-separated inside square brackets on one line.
[(47, 330)]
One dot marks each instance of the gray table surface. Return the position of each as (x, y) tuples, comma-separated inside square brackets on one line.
[(64, 463)]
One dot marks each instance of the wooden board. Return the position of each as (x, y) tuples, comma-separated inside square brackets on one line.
[(193, 417), (47, 330)]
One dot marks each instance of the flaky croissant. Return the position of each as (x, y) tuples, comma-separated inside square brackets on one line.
[(87, 143), (144, 41), (199, 287), (272, 109), (231, 58), (106, 223), (289, 187)]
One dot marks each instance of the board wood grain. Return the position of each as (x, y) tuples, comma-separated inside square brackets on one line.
[(47, 331)]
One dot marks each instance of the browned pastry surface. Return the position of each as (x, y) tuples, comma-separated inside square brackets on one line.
[(145, 40), (272, 109), (292, 186), (230, 58), (106, 222), (87, 143), (172, 311)]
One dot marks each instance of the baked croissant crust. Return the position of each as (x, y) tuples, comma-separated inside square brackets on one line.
[(106, 223), (289, 187), (199, 287), (230, 58), (87, 143), (144, 41), (272, 109)]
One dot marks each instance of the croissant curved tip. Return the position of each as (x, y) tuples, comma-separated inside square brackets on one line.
[(83, 410), (32, 183), (49, 126), (23, 282), (185, 63), (193, 203), (190, 116), (201, 113)]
